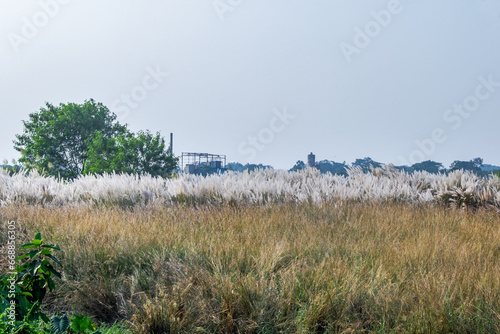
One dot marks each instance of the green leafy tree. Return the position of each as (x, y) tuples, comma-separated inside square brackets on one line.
[(107, 155), (153, 155), (235, 166), (141, 153), (252, 167), (428, 166), (299, 165), (238, 167), (366, 163), (56, 139), (326, 166), (75, 139), (473, 165)]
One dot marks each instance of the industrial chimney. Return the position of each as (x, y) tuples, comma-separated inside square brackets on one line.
[(171, 143)]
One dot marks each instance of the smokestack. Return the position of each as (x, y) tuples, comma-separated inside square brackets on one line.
[(171, 143)]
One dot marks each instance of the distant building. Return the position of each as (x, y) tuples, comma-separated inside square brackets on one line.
[(203, 163), (311, 160)]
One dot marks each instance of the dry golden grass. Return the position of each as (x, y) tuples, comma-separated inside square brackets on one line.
[(286, 268)]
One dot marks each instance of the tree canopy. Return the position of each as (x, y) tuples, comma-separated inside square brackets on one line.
[(74, 139), (141, 153), (428, 166), (238, 167), (299, 165), (326, 166), (366, 163), (473, 165)]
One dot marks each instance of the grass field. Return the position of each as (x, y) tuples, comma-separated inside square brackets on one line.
[(337, 267)]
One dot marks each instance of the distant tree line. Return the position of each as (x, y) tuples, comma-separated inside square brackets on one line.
[(475, 165), (238, 167), (11, 169), (340, 168)]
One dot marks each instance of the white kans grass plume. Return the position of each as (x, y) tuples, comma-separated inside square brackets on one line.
[(384, 184)]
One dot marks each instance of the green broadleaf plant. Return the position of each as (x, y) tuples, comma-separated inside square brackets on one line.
[(59, 325), (34, 275)]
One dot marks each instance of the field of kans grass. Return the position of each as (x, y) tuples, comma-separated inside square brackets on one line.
[(458, 188), (269, 251)]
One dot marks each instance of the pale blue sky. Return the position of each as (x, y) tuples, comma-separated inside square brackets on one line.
[(237, 68)]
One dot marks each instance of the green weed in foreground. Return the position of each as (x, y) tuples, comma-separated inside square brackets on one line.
[(32, 279), (22, 294), (40, 327)]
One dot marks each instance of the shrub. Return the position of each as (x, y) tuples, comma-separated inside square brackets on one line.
[(30, 281), (22, 294)]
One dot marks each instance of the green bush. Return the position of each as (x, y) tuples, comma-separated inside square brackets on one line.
[(25, 290), (22, 294)]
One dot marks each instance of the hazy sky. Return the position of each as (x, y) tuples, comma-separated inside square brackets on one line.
[(266, 81)]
